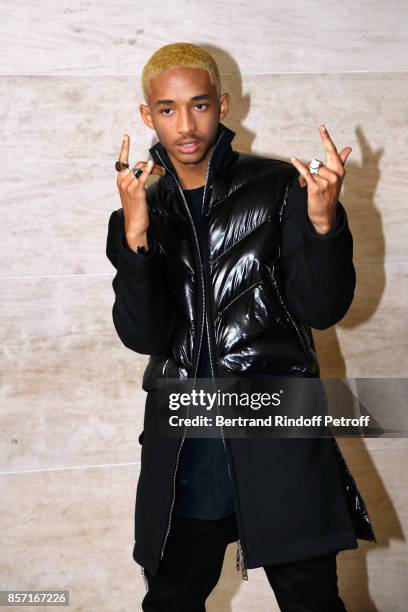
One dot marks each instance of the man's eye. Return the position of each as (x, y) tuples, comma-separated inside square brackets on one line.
[(168, 111)]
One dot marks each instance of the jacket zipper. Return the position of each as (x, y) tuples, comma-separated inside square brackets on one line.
[(145, 578), (205, 318), (198, 354), (239, 549), (240, 562), (240, 555)]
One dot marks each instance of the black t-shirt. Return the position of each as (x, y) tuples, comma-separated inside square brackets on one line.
[(203, 486)]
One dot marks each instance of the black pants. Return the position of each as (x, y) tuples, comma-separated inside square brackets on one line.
[(193, 561)]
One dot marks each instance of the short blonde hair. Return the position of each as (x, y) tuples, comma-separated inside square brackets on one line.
[(180, 54)]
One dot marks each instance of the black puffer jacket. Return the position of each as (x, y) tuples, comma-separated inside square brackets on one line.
[(267, 277)]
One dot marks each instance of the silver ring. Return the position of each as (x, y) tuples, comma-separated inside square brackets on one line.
[(314, 166), (137, 172)]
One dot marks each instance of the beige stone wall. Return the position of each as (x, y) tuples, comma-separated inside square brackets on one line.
[(71, 402)]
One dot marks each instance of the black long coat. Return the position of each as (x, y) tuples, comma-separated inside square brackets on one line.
[(266, 278)]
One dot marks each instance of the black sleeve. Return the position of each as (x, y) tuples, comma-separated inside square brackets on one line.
[(318, 272), (143, 312), (146, 254)]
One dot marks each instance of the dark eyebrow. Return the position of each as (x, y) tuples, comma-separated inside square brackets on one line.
[(200, 97)]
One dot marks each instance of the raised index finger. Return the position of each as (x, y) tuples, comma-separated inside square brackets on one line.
[(124, 151)]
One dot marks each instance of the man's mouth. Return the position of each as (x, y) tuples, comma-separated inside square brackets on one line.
[(188, 147)]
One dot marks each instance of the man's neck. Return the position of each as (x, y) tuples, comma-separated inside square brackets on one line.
[(193, 188)]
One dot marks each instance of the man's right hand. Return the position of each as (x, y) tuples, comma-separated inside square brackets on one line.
[(133, 197)]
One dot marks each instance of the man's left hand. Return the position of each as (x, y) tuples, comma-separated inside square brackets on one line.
[(323, 189)]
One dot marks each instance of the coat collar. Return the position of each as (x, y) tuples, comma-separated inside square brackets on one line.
[(222, 154)]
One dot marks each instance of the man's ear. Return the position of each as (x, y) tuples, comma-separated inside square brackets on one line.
[(224, 105), (146, 115)]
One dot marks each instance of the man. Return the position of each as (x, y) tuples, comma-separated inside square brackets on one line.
[(223, 266)]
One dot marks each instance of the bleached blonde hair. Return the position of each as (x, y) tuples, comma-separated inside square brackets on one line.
[(179, 54)]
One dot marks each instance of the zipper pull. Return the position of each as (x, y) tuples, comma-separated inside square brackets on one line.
[(145, 578), (240, 562)]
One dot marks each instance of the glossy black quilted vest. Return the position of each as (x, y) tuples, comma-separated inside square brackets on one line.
[(251, 326), (245, 304)]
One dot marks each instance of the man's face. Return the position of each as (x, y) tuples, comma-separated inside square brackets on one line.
[(184, 108)]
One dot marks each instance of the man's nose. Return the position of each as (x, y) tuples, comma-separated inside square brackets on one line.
[(186, 124)]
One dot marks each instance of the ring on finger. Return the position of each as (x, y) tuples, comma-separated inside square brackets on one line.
[(314, 166), (137, 172), (119, 166)]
